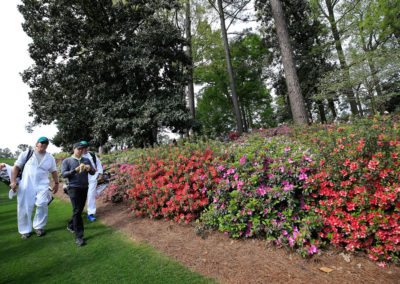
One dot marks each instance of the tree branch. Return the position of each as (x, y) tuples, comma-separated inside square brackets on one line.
[(322, 10), (348, 11)]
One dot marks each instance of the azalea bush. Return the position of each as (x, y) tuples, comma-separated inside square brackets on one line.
[(358, 186), (117, 190), (171, 182), (261, 194)]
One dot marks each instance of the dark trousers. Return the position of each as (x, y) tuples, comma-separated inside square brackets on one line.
[(78, 200)]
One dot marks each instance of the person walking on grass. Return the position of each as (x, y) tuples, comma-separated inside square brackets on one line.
[(91, 197), (33, 188), (76, 169)]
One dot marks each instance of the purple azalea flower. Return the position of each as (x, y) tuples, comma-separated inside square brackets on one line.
[(248, 229), (287, 186)]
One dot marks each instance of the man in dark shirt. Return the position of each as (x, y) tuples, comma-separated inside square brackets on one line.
[(76, 169)]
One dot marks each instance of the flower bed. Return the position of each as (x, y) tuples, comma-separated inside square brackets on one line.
[(322, 185)]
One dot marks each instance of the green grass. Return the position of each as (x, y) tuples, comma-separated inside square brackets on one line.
[(108, 257)]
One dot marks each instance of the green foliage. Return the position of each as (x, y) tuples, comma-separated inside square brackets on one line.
[(104, 70), (249, 57)]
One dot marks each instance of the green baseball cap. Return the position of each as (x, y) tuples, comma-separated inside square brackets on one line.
[(43, 140), (84, 143)]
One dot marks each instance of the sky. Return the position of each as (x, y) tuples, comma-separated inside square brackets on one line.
[(14, 98)]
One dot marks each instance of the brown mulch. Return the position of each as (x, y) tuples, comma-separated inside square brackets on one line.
[(243, 261)]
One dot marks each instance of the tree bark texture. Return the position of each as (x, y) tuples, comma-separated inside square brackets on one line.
[(342, 59), (229, 67), (296, 99), (188, 27)]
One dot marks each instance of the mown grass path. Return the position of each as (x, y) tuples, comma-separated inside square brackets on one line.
[(108, 257)]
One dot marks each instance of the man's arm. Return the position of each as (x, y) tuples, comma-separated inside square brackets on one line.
[(56, 181), (13, 179), (66, 171), (18, 165)]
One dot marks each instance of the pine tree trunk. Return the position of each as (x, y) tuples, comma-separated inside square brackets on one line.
[(296, 99), (229, 67), (342, 59), (189, 54), (321, 111), (331, 105)]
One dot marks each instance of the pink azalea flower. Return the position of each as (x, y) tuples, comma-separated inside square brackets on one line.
[(382, 264), (303, 176), (230, 171), (287, 186), (307, 158), (312, 249), (291, 242), (261, 190), (242, 160)]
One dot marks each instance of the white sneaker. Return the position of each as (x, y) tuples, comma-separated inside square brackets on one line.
[(11, 194)]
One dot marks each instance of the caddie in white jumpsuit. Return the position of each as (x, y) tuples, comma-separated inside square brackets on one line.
[(33, 189), (91, 196)]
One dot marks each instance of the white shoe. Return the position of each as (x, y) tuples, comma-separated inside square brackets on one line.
[(11, 194)]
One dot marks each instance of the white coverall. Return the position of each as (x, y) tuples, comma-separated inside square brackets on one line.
[(33, 190), (91, 196)]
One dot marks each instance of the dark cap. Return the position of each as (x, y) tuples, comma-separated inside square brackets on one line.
[(43, 140), (78, 145)]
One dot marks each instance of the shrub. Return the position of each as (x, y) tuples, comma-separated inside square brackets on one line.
[(170, 182), (358, 187), (261, 194)]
